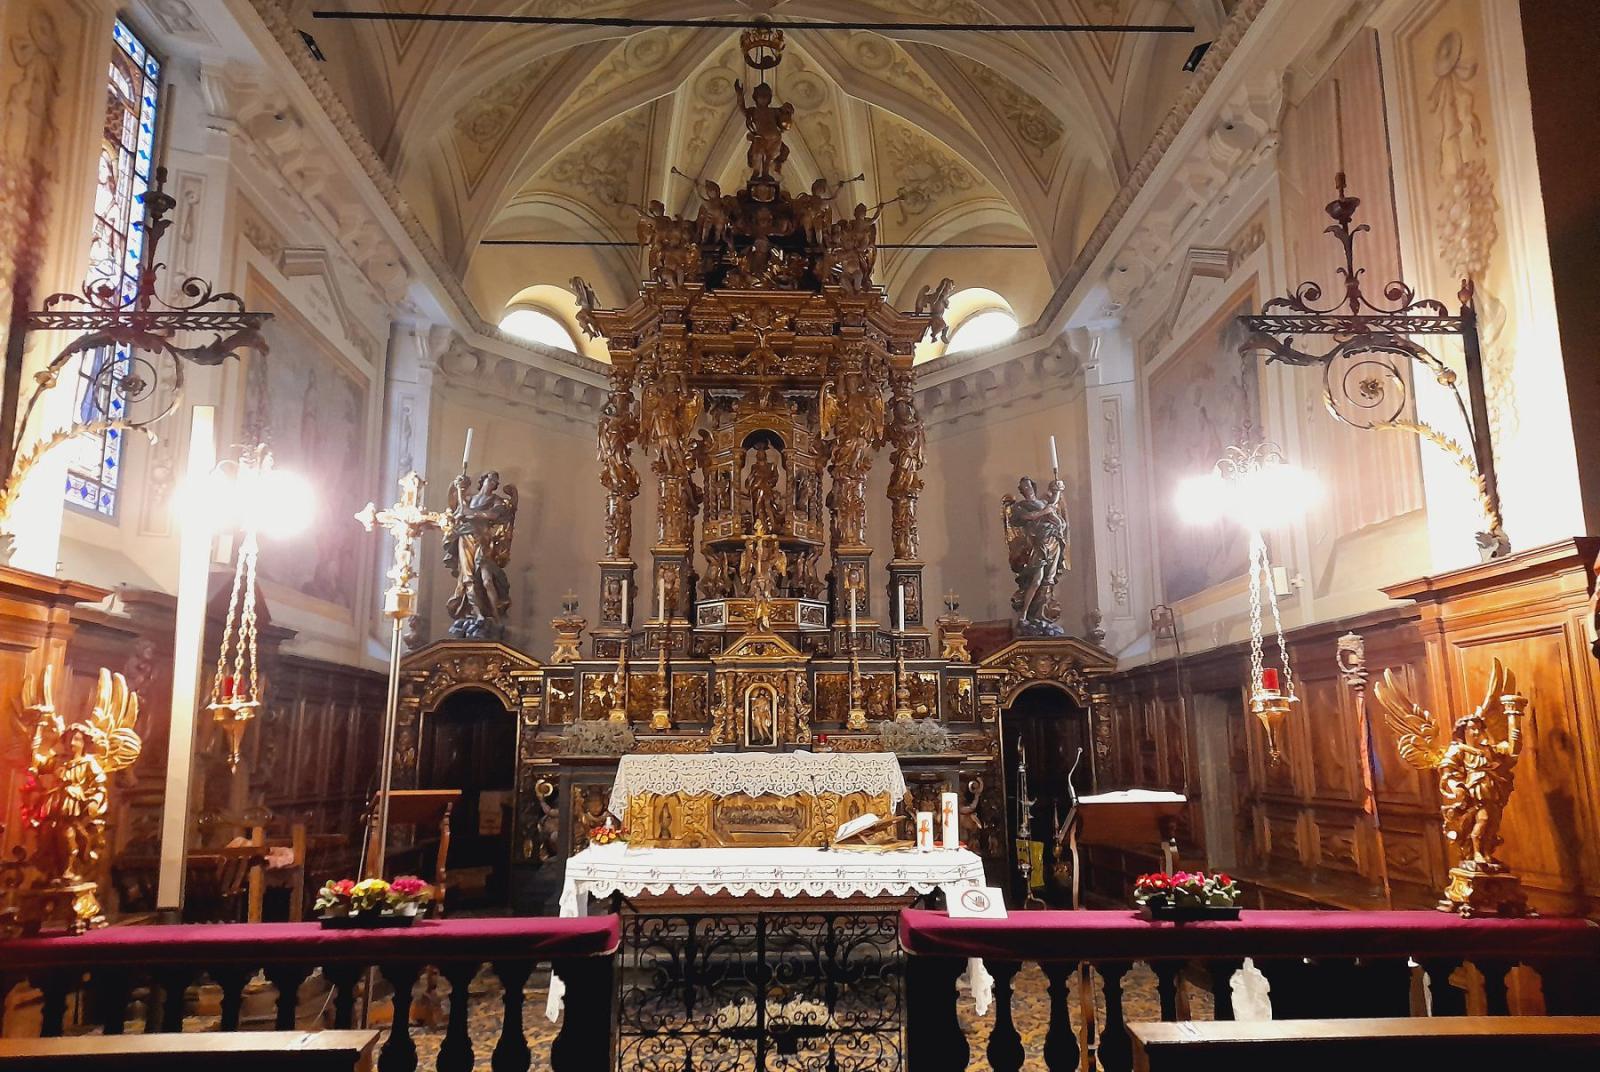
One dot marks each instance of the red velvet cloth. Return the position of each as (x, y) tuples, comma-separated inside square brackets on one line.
[(1124, 935), (257, 944)]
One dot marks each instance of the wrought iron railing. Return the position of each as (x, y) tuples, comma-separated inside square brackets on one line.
[(770, 991)]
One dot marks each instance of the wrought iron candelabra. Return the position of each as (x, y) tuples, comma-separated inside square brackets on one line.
[(150, 340), (1364, 372)]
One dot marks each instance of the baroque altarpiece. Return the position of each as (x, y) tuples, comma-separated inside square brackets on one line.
[(756, 380)]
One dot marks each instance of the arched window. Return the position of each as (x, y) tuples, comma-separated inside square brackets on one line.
[(116, 250), (536, 325), (987, 327)]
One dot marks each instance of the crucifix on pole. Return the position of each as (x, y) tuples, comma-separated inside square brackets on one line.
[(406, 520)]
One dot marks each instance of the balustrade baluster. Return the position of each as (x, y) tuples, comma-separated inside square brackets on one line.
[(287, 979), (585, 1039), (1167, 972), (110, 996), (1222, 972), (455, 1052), (400, 1051), (174, 984), (343, 977), (934, 1039), (1446, 998), (1005, 1045), (511, 1053), (232, 979), (1116, 1048), (1494, 985), (55, 987), (1060, 1044)]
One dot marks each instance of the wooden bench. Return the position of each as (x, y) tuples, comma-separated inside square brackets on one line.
[(1398, 1042), (243, 1051)]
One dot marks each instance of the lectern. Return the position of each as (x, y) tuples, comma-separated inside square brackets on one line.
[(420, 809), (1125, 819)]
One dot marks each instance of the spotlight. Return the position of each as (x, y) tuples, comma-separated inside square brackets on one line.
[(1196, 54)]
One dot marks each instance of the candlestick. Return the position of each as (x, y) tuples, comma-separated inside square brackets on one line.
[(1055, 463), (466, 451)]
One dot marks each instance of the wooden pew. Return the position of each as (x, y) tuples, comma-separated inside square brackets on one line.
[(1399, 1042), (243, 1051)]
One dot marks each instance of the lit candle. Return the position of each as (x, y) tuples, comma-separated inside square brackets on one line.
[(466, 451), (1055, 463), (1269, 680), (900, 603)]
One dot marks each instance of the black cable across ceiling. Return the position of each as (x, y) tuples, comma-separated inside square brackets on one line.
[(631, 23), (610, 244)]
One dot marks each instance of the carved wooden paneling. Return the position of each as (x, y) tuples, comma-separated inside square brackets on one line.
[(1334, 769)]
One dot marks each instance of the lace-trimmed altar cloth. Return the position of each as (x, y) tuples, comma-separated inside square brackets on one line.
[(780, 773), (601, 870)]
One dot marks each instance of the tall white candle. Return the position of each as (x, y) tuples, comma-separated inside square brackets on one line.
[(624, 601), (949, 812), (466, 451), (661, 598), (1055, 463), (852, 611), (900, 601)]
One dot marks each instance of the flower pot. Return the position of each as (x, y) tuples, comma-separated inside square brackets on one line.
[(1171, 913), (366, 921)]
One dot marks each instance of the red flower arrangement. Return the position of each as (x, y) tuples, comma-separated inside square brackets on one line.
[(604, 834), (1186, 889)]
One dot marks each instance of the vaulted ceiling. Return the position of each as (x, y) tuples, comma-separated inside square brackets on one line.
[(498, 131)]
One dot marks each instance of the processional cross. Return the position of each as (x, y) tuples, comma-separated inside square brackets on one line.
[(406, 520)]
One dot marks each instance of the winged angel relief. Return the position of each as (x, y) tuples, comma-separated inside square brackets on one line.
[(1475, 774), (65, 797)]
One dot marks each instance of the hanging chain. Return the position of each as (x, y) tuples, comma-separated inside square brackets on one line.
[(1258, 562), (217, 696)]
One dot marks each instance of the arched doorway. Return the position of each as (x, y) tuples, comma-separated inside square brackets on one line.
[(469, 742), (1052, 729)]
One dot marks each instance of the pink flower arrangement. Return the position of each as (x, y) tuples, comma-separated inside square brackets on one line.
[(1186, 889)]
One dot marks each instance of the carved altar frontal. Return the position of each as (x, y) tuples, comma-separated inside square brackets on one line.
[(701, 820)]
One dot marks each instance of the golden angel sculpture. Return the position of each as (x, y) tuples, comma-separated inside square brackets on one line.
[(477, 548), (1476, 775), (66, 797)]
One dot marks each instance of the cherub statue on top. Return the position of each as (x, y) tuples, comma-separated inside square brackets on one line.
[(765, 126), (1476, 775)]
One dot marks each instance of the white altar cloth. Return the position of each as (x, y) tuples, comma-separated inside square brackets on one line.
[(781, 773), (601, 870)]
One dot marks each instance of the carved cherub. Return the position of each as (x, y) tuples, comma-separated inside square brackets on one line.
[(587, 304), (814, 210), (1475, 771), (933, 301)]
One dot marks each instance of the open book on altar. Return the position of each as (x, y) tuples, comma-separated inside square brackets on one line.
[(871, 831)]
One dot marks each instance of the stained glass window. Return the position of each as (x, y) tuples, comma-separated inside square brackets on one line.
[(126, 149)]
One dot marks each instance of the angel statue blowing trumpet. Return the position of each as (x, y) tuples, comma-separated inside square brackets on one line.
[(65, 798), (1475, 782)]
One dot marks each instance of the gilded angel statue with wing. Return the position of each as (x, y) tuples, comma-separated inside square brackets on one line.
[(1476, 774), (66, 797), (477, 549)]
